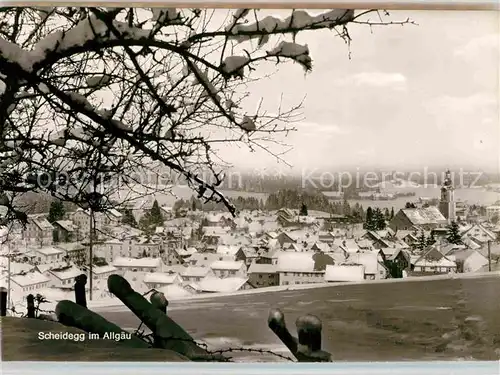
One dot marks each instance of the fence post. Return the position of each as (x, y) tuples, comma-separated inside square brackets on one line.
[(159, 301), (80, 297), (3, 301), (307, 348), (31, 306), (276, 322)]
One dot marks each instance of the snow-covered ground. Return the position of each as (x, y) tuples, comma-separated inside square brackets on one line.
[(115, 304)]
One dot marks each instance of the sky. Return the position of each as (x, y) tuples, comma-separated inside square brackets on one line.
[(408, 97)]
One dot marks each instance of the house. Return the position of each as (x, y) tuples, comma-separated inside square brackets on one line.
[(321, 246), (38, 231), (64, 277), (344, 273), (270, 235), (113, 217), (376, 239), (64, 231), (141, 207), (102, 272), (425, 218), (408, 237), (284, 239), (479, 233), (16, 268), (30, 282), (81, 219), (74, 252), (138, 265), (157, 280), (263, 275), (468, 260), (206, 259), (193, 274), (227, 268), (372, 262), (234, 251), (349, 246), (49, 255), (298, 268), (217, 285), (493, 211), (251, 255), (326, 237), (129, 248), (395, 261), (168, 212), (212, 235), (433, 262), (187, 252), (220, 220)]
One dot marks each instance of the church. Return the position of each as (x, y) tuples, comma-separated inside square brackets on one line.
[(447, 204)]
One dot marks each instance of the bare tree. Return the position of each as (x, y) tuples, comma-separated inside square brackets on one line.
[(88, 95)]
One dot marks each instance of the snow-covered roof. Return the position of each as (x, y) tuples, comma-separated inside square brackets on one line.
[(477, 230), (31, 278), (350, 246), (227, 265), (295, 262), (174, 291), (369, 260), (70, 246), (344, 273), (217, 285), (67, 225), (41, 222), (161, 278), (193, 271), (228, 249), (68, 273), (187, 252), (262, 268), (134, 262), (49, 250), (422, 216), (47, 267), (15, 267), (99, 270), (114, 213)]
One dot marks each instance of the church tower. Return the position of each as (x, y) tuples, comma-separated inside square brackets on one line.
[(447, 202)]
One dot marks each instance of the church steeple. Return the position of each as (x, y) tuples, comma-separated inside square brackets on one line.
[(447, 202)]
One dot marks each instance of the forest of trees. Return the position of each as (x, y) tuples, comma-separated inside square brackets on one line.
[(292, 199)]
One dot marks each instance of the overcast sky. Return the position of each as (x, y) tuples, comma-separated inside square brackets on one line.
[(410, 96)]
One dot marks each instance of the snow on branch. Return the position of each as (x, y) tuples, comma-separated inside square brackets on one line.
[(299, 20), (294, 51), (87, 91)]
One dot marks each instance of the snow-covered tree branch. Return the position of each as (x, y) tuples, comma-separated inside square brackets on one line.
[(91, 94)]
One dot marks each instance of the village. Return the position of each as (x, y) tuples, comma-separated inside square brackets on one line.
[(190, 252)]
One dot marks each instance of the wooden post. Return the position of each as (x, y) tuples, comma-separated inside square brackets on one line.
[(159, 301), (309, 332), (31, 306), (276, 322), (489, 256), (91, 251), (168, 334), (3, 301), (80, 282), (307, 348)]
